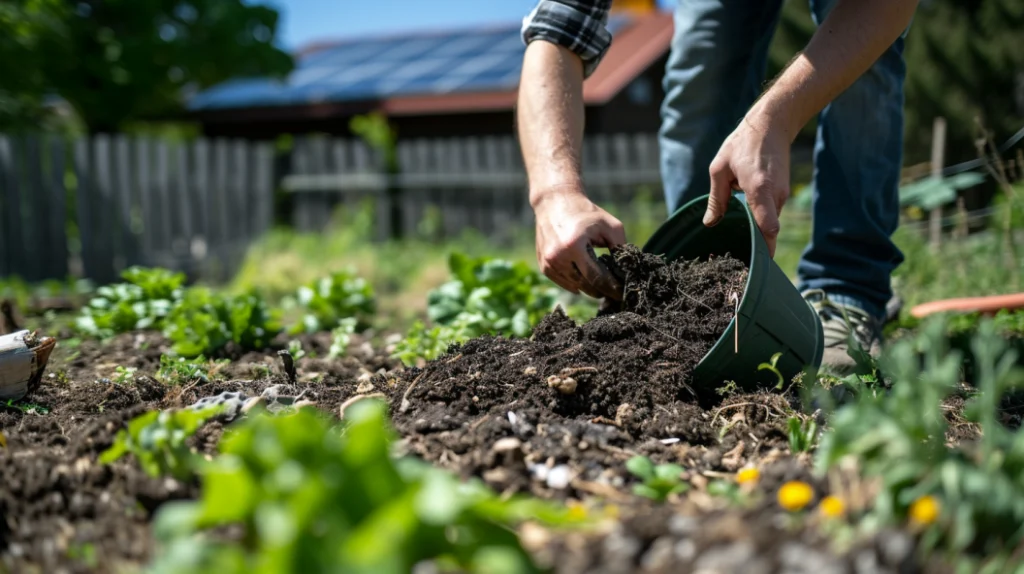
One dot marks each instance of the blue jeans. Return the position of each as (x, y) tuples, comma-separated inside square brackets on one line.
[(715, 71)]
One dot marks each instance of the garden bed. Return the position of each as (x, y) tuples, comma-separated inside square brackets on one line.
[(564, 415)]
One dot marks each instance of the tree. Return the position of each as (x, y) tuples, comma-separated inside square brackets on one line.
[(119, 60), (23, 26)]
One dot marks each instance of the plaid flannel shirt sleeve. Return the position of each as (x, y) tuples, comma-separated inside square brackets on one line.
[(577, 25)]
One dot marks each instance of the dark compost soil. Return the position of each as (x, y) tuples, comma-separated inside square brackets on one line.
[(556, 415)]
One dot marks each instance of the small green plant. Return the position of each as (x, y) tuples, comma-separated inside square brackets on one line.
[(142, 301), (489, 295), (157, 439), (771, 366), (729, 388), (803, 434), (307, 494), (341, 337), (124, 375), (428, 344), (203, 322), (180, 371), (27, 407), (295, 349), (329, 300), (659, 481)]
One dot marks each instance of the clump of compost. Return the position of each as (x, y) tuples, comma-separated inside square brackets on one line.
[(623, 376)]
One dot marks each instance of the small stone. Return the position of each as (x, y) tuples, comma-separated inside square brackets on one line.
[(657, 558), (559, 477), (530, 371), (624, 414), (507, 444), (564, 385), (681, 525), (685, 550), (895, 547), (365, 387)]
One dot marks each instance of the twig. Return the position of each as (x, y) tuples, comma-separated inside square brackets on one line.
[(404, 406), (735, 299)]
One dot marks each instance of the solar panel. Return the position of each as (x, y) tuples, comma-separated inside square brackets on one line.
[(467, 60)]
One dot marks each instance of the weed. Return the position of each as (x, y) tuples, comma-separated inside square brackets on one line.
[(659, 481), (341, 336), (124, 375), (295, 350), (803, 434), (179, 370), (770, 366)]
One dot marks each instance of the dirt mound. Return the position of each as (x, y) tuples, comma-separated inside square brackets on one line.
[(576, 399)]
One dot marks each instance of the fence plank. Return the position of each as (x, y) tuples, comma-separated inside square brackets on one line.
[(200, 240), (219, 237), (264, 188), (159, 207), (124, 188), (191, 215), (55, 192), (11, 201), (147, 231), (238, 204), (94, 203)]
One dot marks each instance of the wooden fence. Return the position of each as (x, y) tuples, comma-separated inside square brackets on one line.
[(89, 207), (453, 184)]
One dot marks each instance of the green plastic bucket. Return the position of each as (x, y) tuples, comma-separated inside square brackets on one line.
[(773, 317)]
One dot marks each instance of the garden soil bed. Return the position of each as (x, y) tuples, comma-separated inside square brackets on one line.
[(556, 416)]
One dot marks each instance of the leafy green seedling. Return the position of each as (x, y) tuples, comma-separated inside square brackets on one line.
[(803, 434), (295, 349), (157, 439), (770, 366), (659, 481), (124, 374), (341, 337)]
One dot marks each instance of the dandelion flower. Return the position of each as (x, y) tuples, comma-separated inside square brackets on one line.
[(795, 495), (924, 510), (748, 475), (832, 506), (577, 512)]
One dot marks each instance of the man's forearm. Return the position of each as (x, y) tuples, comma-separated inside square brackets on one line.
[(853, 36), (549, 118)]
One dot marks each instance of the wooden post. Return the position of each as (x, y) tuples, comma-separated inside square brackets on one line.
[(938, 153)]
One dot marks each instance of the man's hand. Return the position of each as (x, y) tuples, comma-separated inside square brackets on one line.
[(754, 160), (568, 227)]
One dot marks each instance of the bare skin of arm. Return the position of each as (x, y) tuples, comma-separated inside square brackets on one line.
[(550, 125), (755, 157)]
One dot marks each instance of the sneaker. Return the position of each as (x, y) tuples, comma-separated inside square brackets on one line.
[(842, 324)]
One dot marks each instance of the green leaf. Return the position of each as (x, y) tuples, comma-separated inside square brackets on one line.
[(641, 466)]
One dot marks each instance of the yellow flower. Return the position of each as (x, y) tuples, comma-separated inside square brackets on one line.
[(577, 512), (831, 506), (748, 475), (794, 495), (924, 510)]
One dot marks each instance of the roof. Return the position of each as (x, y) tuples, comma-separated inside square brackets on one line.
[(433, 71)]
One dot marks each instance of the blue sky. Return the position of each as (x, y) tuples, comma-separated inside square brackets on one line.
[(308, 20)]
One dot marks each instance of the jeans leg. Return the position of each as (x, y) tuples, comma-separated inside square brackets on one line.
[(715, 71), (857, 160)]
